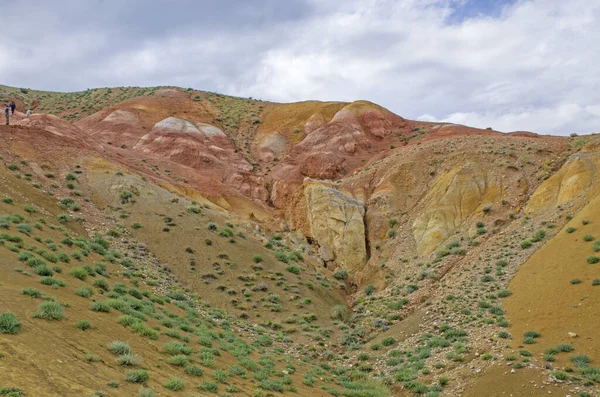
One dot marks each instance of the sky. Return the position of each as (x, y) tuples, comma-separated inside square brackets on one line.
[(512, 65)]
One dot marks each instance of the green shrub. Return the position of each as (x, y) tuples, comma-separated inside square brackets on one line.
[(83, 325), (9, 324), (174, 384), (208, 386), (580, 360), (101, 284), (341, 274), (570, 229), (565, 348), (175, 348), (101, 307), (237, 370), (282, 256), (532, 334), (30, 209), (50, 310), (43, 270), (137, 376), (146, 393), (129, 360), (113, 233), (339, 312), (99, 268), (220, 376), (125, 195), (526, 244), (143, 330), (119, 348), (560, 375), (194, 209), (293, 269), (369, 289), (85, 292), (11, 392), (496, 311), (193, 370), (226, 232), (551, 351), (113, 383), (34, 293), (52, 281), (179, 360), (388, 341), (593, 259), (528, 340), (588, 237), (576, 281), (79, 272), (538, 236)]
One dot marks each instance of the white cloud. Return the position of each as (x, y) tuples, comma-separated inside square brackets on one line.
[(532, 68), (566, 118), (529, 67)]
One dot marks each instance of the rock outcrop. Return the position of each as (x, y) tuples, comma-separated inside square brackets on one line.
[(455, 196), (197, 145), (336, 221), (332, 150), (577, 181)]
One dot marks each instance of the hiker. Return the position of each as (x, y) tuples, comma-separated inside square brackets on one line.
[(6, 113), (29, 112), (12, 107)]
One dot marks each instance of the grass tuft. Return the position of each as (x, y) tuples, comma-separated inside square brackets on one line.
[(51, 310), (118, 347), (174, 384), (9, 324)]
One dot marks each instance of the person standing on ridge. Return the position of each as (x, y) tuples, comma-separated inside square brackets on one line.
[(6, 113), (12, 107)]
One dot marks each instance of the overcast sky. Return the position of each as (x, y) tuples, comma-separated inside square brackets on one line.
[(507, 64)]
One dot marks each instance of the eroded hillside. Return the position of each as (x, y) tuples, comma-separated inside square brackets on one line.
[(316, 248)]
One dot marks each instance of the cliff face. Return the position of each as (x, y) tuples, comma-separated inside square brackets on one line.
[(336, 222), (576, 182), (456, 196)]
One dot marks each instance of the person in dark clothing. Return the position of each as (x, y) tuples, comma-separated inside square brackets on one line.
[(12, 107), (6, 113)]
